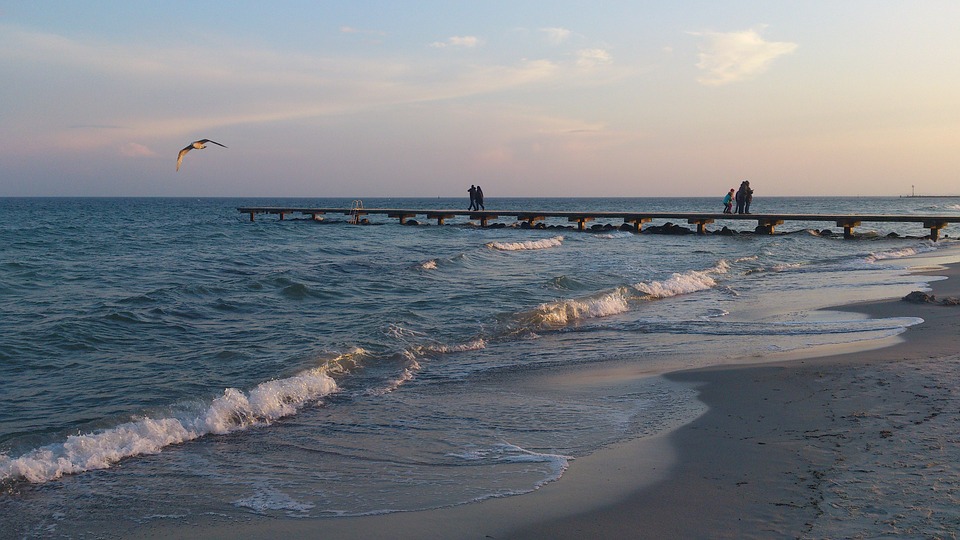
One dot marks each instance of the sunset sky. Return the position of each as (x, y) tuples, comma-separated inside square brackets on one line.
[(532, 98)]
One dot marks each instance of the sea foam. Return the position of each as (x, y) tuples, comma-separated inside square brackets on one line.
[(545, 243), (683, 283), (563, 312), (900, 253), (232, 411)]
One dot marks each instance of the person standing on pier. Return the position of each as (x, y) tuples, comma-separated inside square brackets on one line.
[(728, 202), (747, 197), (473, 198), (741, 197), (478, 199)]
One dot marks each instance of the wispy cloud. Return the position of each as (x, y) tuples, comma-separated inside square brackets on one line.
[(267, 86), (727, 57), (466, 42), (132, 149), (590, 58), (556, 36)]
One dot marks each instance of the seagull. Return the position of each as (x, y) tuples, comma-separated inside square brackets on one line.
[(199, 145)]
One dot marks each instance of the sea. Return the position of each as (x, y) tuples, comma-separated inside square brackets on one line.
[(170, 360)]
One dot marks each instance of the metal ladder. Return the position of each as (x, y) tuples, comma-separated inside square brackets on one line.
[(356, 211)]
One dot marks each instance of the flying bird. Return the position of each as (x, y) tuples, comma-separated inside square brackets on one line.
[(199, 145)]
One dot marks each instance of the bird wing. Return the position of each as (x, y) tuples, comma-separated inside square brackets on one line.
[(181, 154), (209, 141)]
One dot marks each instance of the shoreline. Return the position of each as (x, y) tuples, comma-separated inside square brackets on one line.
[(759, 463), (781, 444)]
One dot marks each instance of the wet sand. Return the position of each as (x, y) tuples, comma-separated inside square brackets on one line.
[(861, 444)]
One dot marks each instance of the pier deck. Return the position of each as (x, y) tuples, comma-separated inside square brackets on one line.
[(765, 222)]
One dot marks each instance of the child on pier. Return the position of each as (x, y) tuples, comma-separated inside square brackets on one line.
[(728, 203)]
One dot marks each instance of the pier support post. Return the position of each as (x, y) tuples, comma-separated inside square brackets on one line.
[(934, 227), (401, 217), (439, 217), (848, 225), (484, 218), (769, 224), (530, 218), (581, 220), (251, 216), (637, 222), (701, 224), (282, 214)]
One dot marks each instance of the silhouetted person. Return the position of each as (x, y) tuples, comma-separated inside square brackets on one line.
[(747, 197), (478, 199), (742, 197), (473, 198)]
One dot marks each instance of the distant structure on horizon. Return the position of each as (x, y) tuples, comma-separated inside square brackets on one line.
[(913, 195)]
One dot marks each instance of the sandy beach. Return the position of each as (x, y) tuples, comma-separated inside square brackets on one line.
[(858, 444)]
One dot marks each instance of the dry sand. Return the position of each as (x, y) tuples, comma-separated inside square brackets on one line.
[(853, 445)]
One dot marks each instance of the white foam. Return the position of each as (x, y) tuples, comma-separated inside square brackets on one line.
[(563, 312), (268, 498), (546, 243), (783, 267), (407, 374), (474, 345), (614, 235), (429, 265), (511, 453), (232, 411), (900, 253), (558, 463), (683, 283)]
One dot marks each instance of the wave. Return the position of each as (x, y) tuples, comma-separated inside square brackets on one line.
[(232, 411), (687, 282), (266, 498), (563, 312), (567, 311), (545, 243), (406, 374), (510, 453), (900, 253), (781, 267), (474, 345)]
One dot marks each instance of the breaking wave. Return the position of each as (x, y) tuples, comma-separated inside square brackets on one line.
[(545, 243), (683, 283), (567, 311), (564, 312), (900, 253), (232, 411)]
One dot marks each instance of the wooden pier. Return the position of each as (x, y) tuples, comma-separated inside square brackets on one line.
[(765, 222)]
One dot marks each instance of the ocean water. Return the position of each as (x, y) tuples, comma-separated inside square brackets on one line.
[(168, 359)]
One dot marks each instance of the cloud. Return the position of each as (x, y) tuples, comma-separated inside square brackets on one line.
[(556, 36), (590, 58), (467, 42), (132, 149), (728, 57)]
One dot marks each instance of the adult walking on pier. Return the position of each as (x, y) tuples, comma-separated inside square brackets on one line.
[(478, 199), (473, 198)]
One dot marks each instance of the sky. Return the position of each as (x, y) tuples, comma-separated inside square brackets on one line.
[(532, 98)]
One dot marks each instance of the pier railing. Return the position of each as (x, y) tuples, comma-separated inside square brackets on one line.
[(765, 222)]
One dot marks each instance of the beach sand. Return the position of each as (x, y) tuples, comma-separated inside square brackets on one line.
[(859, 444)]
